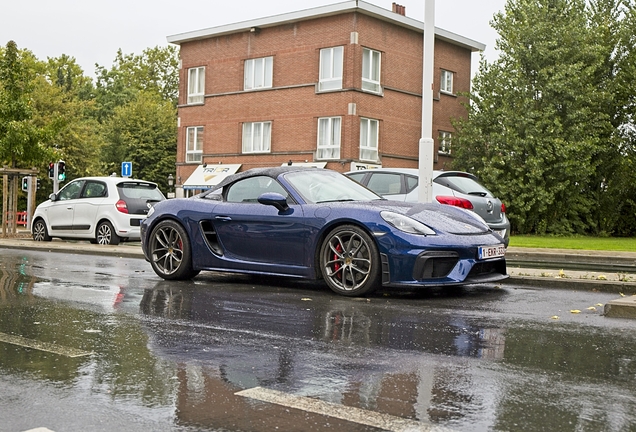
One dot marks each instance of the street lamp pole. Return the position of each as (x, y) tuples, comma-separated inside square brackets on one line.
[(427, 144), (170, 184)]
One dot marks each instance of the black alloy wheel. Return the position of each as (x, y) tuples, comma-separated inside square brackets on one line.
[(349, 261), (170, 251)]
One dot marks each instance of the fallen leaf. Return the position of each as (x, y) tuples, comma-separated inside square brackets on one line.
[(306, 299), (592, 308), (598, 304), (554, 317), (602, 277), (622, 295), (575, 311)]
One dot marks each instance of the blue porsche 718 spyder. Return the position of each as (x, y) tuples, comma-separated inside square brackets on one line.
[(319, 224)]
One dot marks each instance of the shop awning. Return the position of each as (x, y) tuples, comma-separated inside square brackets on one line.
[(206, 176)]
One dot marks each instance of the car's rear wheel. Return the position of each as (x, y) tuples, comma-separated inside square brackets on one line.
[(106, 234), (349, 261), (170, 251), (40, 233)]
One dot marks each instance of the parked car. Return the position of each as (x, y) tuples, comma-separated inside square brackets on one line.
[(104, 210), (456, 188), (316, 223)]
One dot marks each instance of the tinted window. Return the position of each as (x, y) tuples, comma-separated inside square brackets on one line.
[(71, 191), (463, 184), (357, 176), (411, 183), (385, 183), (94, 190), (249, 189), (142, 191)]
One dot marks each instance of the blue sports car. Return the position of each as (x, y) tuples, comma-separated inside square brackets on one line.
[(319, 224)]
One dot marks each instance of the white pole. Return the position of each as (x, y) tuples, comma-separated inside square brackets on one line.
[(427, 145)]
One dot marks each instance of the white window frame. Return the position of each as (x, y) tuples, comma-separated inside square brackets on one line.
[(369, 139), (446, 82), (196, 85), (194, 144), (329, 138), (258, 73), (257, 137), (331, 68), (371, 67), (445, 142)]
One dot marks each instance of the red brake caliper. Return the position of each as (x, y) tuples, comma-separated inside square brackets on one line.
[(337, 266)]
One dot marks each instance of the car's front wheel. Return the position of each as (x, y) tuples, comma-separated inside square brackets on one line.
[(106, 234), (170, 251), (40, 233), (349, 261)]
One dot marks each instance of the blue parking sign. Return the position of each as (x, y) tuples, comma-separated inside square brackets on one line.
[(126, 169)]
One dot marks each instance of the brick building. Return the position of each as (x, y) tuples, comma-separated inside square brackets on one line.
[(337, 86)]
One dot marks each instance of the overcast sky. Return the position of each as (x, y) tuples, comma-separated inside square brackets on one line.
[(92, 32)]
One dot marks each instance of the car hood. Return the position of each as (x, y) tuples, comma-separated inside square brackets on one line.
[(439, 217)]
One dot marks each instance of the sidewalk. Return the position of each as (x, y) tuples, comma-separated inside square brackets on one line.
[(612, 272)]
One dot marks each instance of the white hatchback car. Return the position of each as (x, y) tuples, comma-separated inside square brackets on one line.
[(104, 210)]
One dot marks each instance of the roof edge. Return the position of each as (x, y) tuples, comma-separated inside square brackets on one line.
[(324, 11)]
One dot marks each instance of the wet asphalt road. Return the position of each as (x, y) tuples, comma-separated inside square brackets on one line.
[(101, 343)]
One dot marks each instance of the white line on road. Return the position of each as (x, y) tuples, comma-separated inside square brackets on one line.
[(42, 346), (356, 415)]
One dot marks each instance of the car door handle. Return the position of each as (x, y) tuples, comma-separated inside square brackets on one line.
[(69, 208), (223, 218)]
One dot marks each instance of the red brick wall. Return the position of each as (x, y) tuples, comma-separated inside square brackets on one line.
[(293, 105)]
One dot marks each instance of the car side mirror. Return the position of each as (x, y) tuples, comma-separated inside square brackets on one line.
[(53, 197), (274, 199)]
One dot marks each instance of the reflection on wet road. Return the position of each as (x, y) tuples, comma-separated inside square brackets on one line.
[(174, 355)]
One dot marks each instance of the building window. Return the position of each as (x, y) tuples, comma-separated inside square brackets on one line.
[(328, 138), (330, 69), (257, 137), (258, 73), (371, 70), (194, 144), (445, 142), (446, 83), (196, 85), (369, 139)]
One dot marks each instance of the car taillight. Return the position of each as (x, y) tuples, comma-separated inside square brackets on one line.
[(503, 208), (121, 206), (454, 201)]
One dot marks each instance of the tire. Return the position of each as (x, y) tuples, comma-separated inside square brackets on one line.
[(170, 251), (349, 261), (40, 233), (106, 235)]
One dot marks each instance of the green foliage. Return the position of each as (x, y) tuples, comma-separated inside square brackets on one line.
[(544, 125), (20, 138), (142, 132)]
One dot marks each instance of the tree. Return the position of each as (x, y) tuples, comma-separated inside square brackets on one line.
[(142, 132), (156, 71), (541, 129), (20, 139)]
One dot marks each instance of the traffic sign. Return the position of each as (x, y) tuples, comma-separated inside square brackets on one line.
[(126, 169)]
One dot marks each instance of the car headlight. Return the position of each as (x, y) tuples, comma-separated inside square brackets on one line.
[(406, 224), (151, 210)]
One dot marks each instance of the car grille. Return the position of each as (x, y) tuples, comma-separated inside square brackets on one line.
[(488, 267), (434, 264)]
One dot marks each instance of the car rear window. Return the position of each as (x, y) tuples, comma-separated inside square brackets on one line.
[(143, 191), (463, 184)]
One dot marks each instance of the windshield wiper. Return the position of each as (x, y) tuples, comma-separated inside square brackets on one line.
[(335, 200)]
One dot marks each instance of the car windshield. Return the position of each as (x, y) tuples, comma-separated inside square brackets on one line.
[(318, 186), (463, 184)]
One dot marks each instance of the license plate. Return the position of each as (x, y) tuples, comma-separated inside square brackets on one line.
[(487, 252)]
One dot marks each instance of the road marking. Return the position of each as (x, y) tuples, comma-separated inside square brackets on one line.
[(356, 415), (42, 346)]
